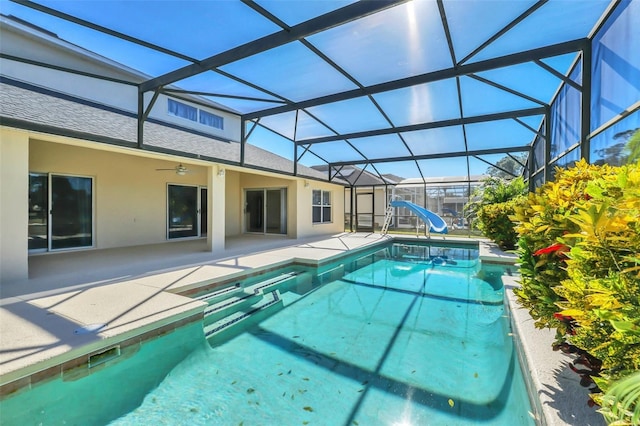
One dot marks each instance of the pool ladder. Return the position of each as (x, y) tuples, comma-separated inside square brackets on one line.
[(388, 214)]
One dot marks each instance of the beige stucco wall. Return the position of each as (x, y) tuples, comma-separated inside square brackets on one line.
[(216, 209), (255, 181), (129, 194), (14, 205), (380, 204), (299, 218), (233, 204), (305, 225)]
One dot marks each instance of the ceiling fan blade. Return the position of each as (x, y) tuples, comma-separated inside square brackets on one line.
[(180, 170)]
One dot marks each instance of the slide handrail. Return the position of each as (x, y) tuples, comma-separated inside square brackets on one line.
[(436, 223)]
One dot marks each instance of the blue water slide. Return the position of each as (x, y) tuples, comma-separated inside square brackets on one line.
[(436, 223)]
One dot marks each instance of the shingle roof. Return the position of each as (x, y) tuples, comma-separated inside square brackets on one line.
[(25, 106), (358, 177)]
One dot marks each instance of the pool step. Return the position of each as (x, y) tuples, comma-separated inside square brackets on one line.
[(220, 294), (244, 306), (263, 286), (266, 304), (226, 301), (237, 302)]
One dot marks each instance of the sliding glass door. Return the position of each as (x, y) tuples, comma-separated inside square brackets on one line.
[(266, 211), (38, 211), (71, 212), (254, 210), (60, 212), (182, 211)]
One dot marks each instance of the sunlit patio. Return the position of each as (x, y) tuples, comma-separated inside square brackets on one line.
[(71, 271)]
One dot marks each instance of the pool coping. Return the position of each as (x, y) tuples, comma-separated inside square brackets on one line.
[(555, 393), (76, 363)]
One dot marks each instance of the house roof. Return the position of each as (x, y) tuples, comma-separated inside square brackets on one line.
[(34, 108), (28, 29), (356, 176), (412, 88)]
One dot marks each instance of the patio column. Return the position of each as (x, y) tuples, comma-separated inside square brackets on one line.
[(216, 208), (14, 205)]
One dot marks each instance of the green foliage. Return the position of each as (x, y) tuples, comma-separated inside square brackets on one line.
[(621, 403), (508, 166), (536, 294), (633, 146), (495, 223), (495, 190), (580, 255), (602, 290), (540, 222)]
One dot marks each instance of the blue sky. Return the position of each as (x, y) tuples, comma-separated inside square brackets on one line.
[(403, 41)]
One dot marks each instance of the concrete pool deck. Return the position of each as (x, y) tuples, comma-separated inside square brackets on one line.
[(563, 400), (78, 304)]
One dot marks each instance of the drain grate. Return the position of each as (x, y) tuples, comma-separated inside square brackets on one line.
[(104, 356)]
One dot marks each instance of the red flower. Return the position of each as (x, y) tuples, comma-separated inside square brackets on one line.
[(557, 247), (561, 317)]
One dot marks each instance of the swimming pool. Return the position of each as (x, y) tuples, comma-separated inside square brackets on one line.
[(405, 335)]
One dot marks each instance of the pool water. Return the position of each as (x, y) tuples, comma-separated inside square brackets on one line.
[(400, 341), (406, 335), (100, 397)]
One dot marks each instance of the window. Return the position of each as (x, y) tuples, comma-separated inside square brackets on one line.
[(211, 120), (321, 206), (194, 114), (183, 110)]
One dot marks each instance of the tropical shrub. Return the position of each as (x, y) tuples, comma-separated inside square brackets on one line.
[(495, 190), (540, 221), (580, 254), (495, 223)]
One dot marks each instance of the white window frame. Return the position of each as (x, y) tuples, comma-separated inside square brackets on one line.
[(198, 115), (49, 196), (216, 116), (169, 100), (322, 206)]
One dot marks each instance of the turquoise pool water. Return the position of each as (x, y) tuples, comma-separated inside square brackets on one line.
[(408, 335), (106, 394)]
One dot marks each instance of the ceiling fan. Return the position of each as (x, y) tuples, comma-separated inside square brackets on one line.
[(179, 169)]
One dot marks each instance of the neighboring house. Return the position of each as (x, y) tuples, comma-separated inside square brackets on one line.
[(368, 195), (72, 175), (445, 196)]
